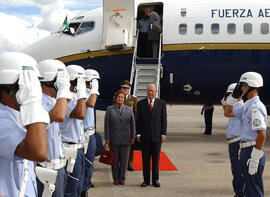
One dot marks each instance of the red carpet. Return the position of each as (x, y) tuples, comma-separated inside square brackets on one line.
[(164, 162)]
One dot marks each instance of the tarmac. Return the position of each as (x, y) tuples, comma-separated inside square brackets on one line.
[(202, 161)]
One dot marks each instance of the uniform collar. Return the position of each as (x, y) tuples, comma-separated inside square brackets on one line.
[(241, 101), (250, 101), (255, 98)]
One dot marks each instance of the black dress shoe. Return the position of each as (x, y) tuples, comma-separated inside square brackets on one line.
[(206, 133), (130, 169), (84, 194), (144, 184), (156, 184)]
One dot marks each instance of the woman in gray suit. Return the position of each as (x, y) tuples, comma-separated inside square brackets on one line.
[(119, 134)]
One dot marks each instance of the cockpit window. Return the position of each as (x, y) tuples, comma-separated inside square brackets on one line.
[(85, 27), (72, 29), (79, 17)]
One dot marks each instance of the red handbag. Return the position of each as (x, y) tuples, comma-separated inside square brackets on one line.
[(106, 155)]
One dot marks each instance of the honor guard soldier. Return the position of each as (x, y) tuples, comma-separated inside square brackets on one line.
[(131, 101), (91, 79), (73, 132), (254, 123), (23, 122), (56, 91), (233, 133)]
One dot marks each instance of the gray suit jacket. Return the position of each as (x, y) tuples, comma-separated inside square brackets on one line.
[(119, 128)]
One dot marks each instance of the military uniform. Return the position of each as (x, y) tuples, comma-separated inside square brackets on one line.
[(131, 101), (253, 135), (254, 117)]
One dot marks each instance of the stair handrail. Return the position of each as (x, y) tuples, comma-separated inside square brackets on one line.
[(133, 68), (159, 65)]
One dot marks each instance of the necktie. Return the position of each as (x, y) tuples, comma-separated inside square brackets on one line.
[(151, 105)]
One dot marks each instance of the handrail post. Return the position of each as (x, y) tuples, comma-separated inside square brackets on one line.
[(134, 58), (159, 64)]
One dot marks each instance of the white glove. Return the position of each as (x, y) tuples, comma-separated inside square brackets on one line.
[(254, 160), (63, 85), (80, 88), (230, 100), (223, 102), (29, 96), (29, 88), (94, 87)]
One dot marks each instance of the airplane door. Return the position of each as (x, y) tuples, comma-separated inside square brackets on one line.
[(118, 24)]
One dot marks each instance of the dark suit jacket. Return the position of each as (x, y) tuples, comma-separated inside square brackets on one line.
[(119, 128), (151, 125), (155, 20)]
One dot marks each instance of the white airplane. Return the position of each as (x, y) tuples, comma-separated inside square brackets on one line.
[(205, 46)]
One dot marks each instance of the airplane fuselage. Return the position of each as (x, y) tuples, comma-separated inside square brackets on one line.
[(206, 46)]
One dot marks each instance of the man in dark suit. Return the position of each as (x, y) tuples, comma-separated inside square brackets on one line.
[(154, 31), (151, 126)]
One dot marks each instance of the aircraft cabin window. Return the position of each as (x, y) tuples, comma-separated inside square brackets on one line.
[(264, 28), (85, 27), (231, 28), (247, 28), (215, 28), (183, 29), (199, 28)]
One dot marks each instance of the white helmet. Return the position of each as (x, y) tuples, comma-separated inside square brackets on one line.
[(75, 71), (231, 87), (253, 79), (91, 74), (11, 64), (49, 68)]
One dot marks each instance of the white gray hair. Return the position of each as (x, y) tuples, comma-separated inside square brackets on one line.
[(152, 84)]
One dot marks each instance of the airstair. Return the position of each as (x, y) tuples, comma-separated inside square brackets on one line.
[(144, 73)]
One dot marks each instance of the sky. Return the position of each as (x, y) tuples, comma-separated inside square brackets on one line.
[(23, 22)]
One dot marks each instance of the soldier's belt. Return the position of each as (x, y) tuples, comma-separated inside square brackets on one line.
[(53, 164), (230, 141), (247, 144), (73, 146)]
